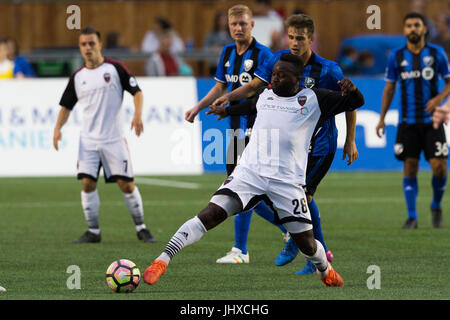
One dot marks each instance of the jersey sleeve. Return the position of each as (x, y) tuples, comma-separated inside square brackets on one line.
[(69, 97), (391, 69), (332, 103), (264, 70), (247, 107), (127, 81), (220, 71), (335, 74), (442, 64)]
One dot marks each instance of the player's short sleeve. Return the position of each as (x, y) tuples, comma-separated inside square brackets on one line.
[(69, 97), (442, 63), (220, 71), (391, 74), (264, 70), (127, 80), (335, 73)]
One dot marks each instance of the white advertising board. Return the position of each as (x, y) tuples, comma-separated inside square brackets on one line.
[(28, 113)]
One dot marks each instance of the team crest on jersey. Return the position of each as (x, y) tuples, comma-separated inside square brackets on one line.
[(302, 100), (248, 64), (309, 82), (428, 61), (107, 77), (228, 180)]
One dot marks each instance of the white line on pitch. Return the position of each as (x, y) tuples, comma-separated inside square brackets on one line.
[(168, 183)]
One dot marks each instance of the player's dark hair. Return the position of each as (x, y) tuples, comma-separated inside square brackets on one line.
[(413, 15), (300, 21), (296, 62), (90, 30)]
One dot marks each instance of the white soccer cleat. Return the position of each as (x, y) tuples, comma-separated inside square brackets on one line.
[(2, 289), (234, 256)]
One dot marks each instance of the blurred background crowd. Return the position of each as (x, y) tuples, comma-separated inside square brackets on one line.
[(185, 37)]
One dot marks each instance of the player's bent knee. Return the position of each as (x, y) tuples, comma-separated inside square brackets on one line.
[(212, 216), (305, 242)]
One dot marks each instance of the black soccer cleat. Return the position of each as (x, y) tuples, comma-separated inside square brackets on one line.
[(145, 236), (410, 224), (436, 217), (88, 237)]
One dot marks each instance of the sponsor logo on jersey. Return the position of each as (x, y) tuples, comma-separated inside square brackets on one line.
[(302, 100), (107, 76), (227, 64), (309, 82), (428, 73), (410, 74), (248, 64), (304, 111), (231, 78), (245, 78), (404, 63)]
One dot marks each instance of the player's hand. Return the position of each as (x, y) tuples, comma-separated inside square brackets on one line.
[(380, 127), (221, 101), (351, 151), (217, 110), (191, 114), (441, 114), (432, 104), (57, 136), (137, 125), (347, 86)]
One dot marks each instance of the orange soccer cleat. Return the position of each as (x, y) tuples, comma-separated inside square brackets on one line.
[(332, 279), (156, 270)]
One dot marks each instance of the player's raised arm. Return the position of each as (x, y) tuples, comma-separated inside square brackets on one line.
[(240, 93), (332, 103), (63, 115), (215, 92)]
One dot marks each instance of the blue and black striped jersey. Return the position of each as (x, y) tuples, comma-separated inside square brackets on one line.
[(318, 73), (418, 75), (236, 70)]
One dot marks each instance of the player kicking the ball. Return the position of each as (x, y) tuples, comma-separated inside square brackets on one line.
[(287, 119), (97, 89)]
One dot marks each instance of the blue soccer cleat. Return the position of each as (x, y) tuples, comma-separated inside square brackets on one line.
[(287, 254), (309, 268)]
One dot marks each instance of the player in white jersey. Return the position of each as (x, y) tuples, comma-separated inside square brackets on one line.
[(97, 90), (273, 165)]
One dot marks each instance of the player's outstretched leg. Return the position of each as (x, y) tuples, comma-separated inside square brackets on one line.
[(314, 251), (90, 203), (191, 231)]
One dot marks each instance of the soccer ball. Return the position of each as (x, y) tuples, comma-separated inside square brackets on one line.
[(123, 276)]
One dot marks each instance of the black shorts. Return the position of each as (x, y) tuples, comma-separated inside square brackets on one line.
[(413, 138), (316, 169)]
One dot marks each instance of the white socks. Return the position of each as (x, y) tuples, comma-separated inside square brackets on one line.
[(133, 202), (319, 259), (191, 231), (91, 203)]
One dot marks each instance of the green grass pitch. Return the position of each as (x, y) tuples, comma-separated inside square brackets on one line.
[(362, 214)]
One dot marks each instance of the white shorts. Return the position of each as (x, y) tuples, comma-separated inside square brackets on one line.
[(114, 157), (287, 201)]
